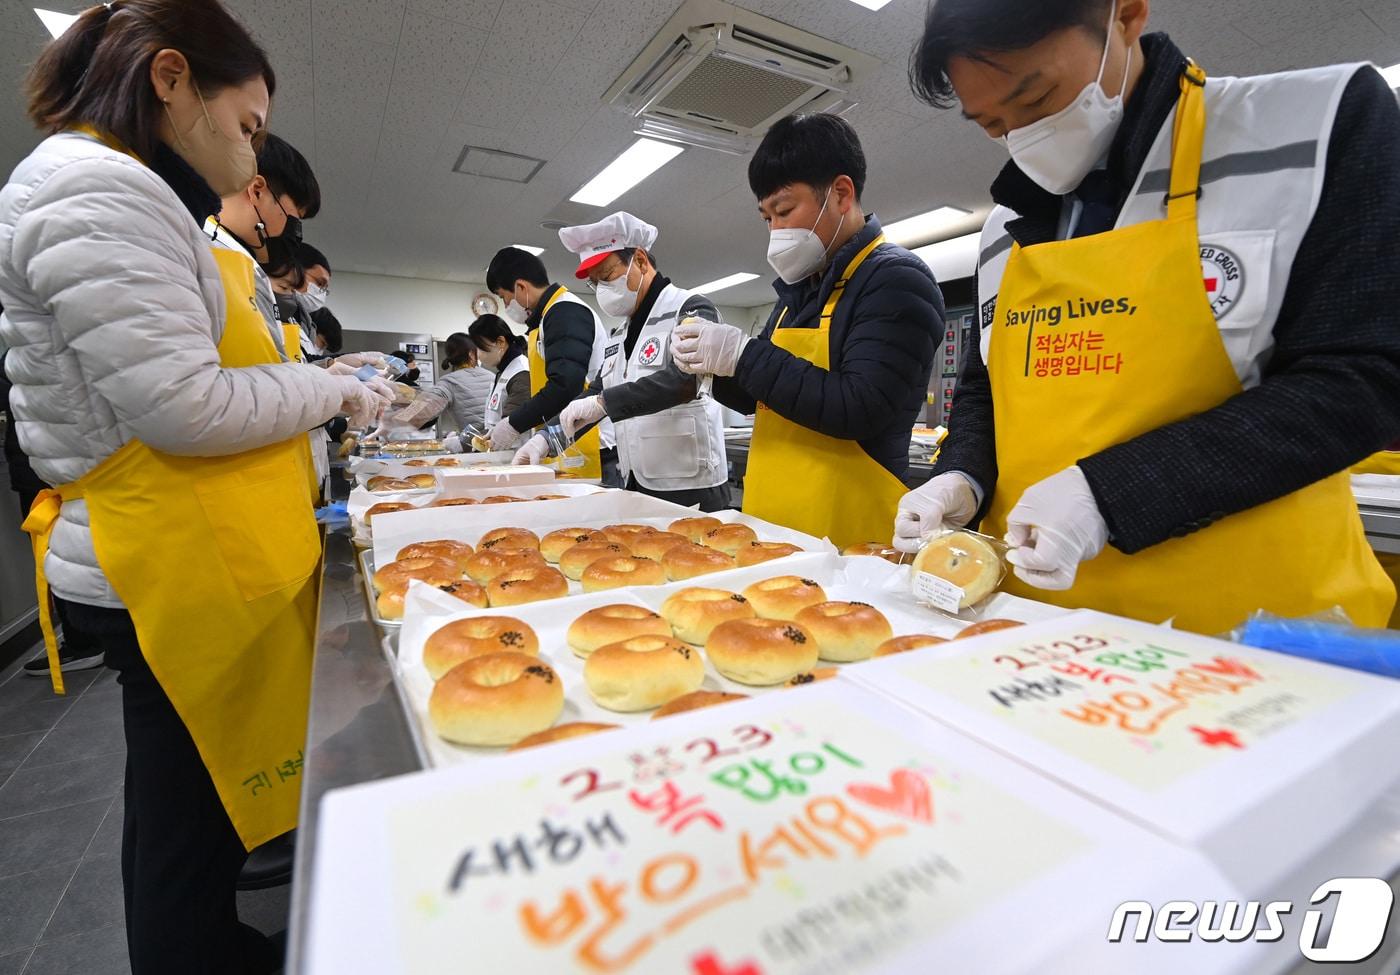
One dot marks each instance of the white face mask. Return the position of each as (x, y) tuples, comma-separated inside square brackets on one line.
[(313, 298), (1058, 151), (615, 297), (796, 253), (516, 312)]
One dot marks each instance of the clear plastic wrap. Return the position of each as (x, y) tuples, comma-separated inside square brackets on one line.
[(957, 572)]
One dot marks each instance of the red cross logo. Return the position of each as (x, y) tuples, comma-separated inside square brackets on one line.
[(1216, 739)]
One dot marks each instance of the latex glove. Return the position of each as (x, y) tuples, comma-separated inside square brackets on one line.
[(707, 348), (452, 443), (361, 402), (503, 436), (1055, 526), (340, 369), (356, 359), (536, 449), (580, 413), (947, 500), (384, 390)]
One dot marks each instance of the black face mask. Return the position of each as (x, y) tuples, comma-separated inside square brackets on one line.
[(282, 249), (287, 308)]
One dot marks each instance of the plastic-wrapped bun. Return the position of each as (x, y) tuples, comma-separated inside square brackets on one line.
[(958, 570)]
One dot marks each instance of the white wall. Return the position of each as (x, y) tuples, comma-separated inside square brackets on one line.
[(378, 303)]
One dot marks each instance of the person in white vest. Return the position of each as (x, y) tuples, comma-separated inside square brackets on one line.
[(568, 351), (1188, 334), (677, 454)]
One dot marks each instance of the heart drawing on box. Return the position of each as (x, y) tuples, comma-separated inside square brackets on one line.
[(908, 795)]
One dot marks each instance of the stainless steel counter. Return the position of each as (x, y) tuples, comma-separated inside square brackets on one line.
[(358, 728)]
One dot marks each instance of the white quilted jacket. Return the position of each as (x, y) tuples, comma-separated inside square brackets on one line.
[(113, 311)]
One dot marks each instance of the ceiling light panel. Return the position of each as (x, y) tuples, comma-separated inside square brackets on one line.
[(719, 284), (924, 227), (640, 160), (55, 22)]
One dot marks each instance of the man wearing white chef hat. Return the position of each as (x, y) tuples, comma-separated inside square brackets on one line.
[(677, 454)]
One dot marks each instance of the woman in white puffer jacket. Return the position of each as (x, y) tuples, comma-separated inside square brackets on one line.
[(181, 539)]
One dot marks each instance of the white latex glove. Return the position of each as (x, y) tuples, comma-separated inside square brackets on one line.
[(340, 369), (452, 443), (580, 413), (361, 402), (707, 348), (384, 390), (1055, 526), (356, 359), (534, 451), (503, 436), (947, 500)]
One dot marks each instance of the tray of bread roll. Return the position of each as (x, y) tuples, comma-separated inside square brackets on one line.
[(363, 505), (485, 563), (363, 467), (481, 681)]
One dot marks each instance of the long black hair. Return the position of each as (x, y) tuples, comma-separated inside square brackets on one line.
[(488, 328)]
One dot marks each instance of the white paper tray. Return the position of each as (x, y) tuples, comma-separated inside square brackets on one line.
[(869, 580), (361, 500), (387, 546)]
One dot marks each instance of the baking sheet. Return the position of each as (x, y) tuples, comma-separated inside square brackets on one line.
[(366, 467), (869, 580)]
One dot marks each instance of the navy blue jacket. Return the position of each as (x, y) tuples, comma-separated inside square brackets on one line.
[(1330, 395), (882, 342)]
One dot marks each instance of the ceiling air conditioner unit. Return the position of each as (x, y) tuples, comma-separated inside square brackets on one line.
[(717, 77)]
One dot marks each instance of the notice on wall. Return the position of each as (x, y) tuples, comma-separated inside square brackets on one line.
[(819, 830), (1190, 734)]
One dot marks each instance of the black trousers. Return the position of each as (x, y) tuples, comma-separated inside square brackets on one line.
[(708, 499), (180, 853)]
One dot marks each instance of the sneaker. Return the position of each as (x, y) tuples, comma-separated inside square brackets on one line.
[(68, 661)]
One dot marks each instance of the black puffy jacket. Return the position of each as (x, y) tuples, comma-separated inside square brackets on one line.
[(883, 335)]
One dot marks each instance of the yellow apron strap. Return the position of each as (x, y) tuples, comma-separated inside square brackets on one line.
[(1188, 141), (781, 315), (839, 288), (43, 515)]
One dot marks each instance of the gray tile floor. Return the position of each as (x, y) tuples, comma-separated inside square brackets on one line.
[(61, 763)]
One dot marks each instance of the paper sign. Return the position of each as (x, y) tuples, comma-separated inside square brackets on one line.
[(938, 593), (815, 831), (1186, 732)]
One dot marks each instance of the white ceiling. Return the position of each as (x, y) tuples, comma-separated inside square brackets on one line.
[(381, 95)]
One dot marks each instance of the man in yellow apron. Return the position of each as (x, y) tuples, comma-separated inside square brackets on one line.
[(839, 376), (568, 356), (1144, 378)]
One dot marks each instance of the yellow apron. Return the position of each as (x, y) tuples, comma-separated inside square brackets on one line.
[(215, 559), (291, 341), (591, 443), (1066, 392), (806, 480), (1385, 462)]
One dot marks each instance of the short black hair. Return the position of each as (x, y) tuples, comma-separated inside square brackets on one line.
[(308, 256), (511, 264), (328, 327), (812, 149), (627, 253), (289, 174), (976, 28)]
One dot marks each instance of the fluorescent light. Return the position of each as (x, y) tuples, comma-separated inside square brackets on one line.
[(871, 4), (56, 22), (953, 259), (644, 157), (743, 277), (924, 226), (537, 251), (1391, 75)]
